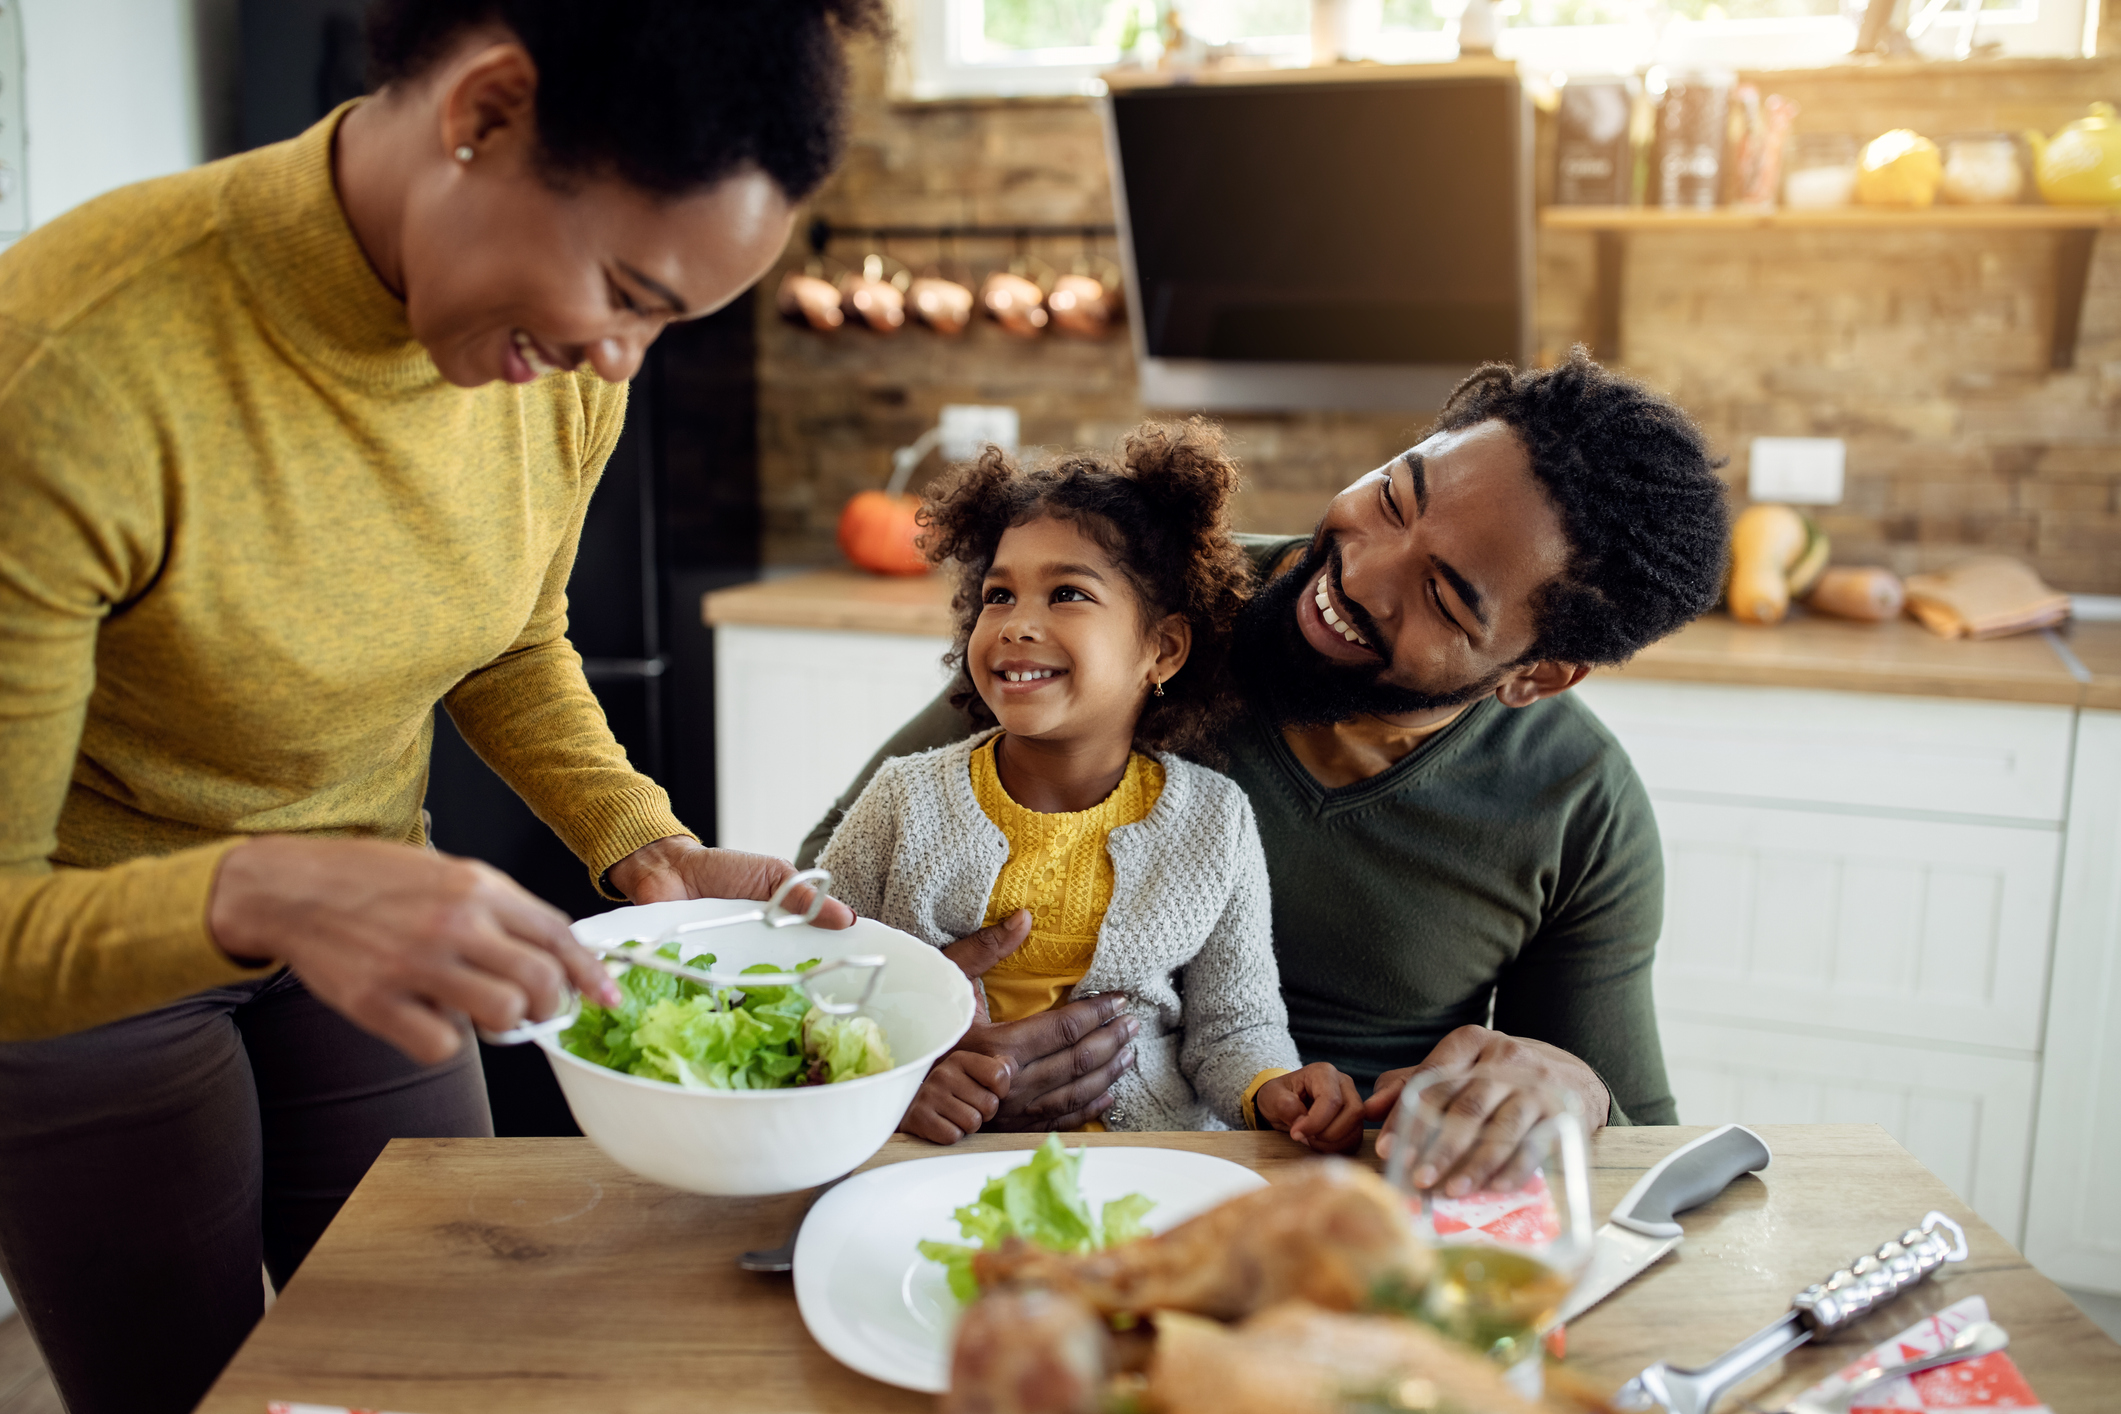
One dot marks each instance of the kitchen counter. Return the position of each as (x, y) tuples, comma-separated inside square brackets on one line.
[(837, 599), (1898, 657), (2097, 648)]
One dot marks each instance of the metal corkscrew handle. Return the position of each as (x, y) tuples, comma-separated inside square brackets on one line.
[(1815, 1313), (1877, 1277)]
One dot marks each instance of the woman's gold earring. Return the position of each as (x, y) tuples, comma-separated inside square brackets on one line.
[(465, 152), (1159, 692)]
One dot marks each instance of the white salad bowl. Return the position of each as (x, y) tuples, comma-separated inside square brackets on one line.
[(742, 1142)]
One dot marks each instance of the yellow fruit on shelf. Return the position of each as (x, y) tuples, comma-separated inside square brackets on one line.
[(1776, 553), (1899, 168)]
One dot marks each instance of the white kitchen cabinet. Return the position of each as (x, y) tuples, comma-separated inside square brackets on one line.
[(1968, 1118), (1922, 930), (797, 713), (2070, 1231), (1859, 911), (1863, 750)]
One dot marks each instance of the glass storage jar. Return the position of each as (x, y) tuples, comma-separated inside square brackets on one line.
[(1982, 169), (1820, 171)]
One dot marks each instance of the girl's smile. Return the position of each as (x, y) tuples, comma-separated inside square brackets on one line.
[(1015, 677), (1059, 643), (1063, 657)]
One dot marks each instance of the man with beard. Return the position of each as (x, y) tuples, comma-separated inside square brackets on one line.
[(1464, 864)]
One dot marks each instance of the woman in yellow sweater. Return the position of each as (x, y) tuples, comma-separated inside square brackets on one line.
[(293, 448)]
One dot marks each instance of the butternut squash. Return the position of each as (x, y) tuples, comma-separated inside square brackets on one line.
[(1776, 553)]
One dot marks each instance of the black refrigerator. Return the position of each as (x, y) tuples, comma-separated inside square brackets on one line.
[(677, 514)]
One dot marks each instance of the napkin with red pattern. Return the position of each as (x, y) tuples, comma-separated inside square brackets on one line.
[(1525, 1218), (1990, 1382)]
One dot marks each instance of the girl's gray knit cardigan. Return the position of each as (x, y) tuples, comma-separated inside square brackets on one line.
[(1187, 937)]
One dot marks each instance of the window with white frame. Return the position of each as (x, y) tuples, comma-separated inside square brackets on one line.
[(1000, 47)]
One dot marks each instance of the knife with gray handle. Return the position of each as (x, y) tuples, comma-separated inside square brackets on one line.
[(1641, 1229)]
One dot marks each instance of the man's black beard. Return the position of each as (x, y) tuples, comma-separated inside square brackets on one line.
[(1295, 685)]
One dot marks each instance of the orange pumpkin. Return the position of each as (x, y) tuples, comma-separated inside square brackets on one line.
[(877, 532)]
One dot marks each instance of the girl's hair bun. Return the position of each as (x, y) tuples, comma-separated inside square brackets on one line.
[(1183, 468), (1161, 510)]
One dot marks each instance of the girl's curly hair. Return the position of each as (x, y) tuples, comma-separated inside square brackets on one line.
[(1161, 511)]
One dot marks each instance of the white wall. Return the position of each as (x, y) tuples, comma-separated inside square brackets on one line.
[(112, 93)]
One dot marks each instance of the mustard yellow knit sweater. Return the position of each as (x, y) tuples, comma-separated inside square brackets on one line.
[(1060, 870), (248, 539)]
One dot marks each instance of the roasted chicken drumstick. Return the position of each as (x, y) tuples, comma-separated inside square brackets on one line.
[(1333, 1237)]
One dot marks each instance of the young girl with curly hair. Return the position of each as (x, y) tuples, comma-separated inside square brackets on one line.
[(1095, 604)]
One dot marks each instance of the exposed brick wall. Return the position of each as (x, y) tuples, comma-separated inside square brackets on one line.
[(1926, 350)]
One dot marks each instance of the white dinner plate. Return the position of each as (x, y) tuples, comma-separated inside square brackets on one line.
[(880, 1308)]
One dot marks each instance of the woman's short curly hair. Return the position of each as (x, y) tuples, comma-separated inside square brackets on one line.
[(1161, 510), (670, 95)]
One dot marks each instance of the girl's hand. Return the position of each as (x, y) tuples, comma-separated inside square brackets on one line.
[(1317, 1106), (962, 1092)]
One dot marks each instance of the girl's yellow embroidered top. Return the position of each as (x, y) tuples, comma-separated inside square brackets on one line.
[(1060, 870)]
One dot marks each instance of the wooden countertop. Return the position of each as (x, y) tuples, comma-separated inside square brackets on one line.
[(1807, 651), (1899, 656), (2096, 647), (521, 1276), (837, 599)]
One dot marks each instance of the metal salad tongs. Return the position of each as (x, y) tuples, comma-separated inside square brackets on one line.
[(1821, 1309), (773, 913)]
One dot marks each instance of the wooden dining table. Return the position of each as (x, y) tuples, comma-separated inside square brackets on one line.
[(535, 1276)]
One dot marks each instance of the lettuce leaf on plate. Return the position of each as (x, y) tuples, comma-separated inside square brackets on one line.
[(1042, 1202)]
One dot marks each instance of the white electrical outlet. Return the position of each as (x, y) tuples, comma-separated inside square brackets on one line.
[(1804, 471), (967, 427), (14, 187)]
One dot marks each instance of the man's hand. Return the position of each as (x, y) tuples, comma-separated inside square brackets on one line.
[(962, 1092), (401, 941), (1486, 1122), (1063, 1063), (680, 867), (1317, 1106)]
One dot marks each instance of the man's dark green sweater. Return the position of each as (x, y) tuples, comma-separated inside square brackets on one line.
[(1512, 857)]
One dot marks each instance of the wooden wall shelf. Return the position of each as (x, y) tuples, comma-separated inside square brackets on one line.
[(1948, 218), (2078, 228)]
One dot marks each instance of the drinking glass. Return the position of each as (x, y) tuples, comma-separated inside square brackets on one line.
[(1510, 1252)]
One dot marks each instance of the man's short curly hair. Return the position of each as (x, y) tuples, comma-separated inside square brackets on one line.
[(1639, 498), (670, 95), (1161, 510)]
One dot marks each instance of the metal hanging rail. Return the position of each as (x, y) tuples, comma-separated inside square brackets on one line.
[(824, 232)]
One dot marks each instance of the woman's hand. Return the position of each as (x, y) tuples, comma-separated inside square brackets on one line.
[(1317, 1106), (680, 867), (402, 941)]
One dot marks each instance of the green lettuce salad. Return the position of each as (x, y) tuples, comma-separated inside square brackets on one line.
[(722, 1038), (1042, 1202)]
